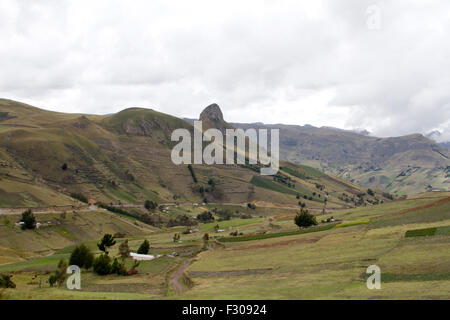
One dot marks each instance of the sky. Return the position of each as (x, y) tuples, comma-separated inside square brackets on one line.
[(383, 66)]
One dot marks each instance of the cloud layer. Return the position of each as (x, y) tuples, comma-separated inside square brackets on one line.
[(316, 62)]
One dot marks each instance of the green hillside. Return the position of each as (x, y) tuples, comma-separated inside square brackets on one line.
[(125, 158)]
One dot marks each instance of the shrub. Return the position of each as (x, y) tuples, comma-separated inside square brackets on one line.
[(79, 197), (305, 219), (102, 264), (60, 274), (205, 217), (144, 247), (150, 205), (124, 250), (6, 282), (64, 166), (28, 219), (118, 268), (82, 257)]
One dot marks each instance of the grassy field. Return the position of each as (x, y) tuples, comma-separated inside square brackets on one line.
[(407, 239)]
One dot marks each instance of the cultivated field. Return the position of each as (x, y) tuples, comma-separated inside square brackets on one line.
[(272, 259)]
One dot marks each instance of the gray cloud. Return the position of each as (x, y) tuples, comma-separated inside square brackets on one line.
[(281, 61)]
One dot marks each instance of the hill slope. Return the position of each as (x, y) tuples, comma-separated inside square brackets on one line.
[(46, 156)]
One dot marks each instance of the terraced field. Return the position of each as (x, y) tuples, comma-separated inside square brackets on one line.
[(407, 239)]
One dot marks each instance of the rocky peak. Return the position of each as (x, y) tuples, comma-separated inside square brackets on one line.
[(212, 113)]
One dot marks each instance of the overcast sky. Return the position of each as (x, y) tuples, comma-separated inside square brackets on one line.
[(348, 64)]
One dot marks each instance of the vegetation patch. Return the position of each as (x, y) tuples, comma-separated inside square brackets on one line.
[(268, 184), (276, 235), (353, 223), (421, 232)]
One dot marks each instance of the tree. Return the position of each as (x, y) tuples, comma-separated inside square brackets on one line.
[(106, 242), (82, 257), (6, 282), (64, 166), (28, 219), (305, 219), (205, 240), (176, 237), (150, 205), (102, 264), (144, 247), (370, 192), (124, 250), (118, 268), (60, 274)]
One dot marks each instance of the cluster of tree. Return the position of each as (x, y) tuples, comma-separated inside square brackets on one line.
[(284, 179), (319, 186), (121, 211), (6, 282), (150, 205), (387, 195), (82, 257), (212, 189), (182, 220), (302, 204), (205, 217), (305, 219), (370, 192), (28, 219), (79, 197)]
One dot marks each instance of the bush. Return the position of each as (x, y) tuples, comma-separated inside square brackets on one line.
[(6, 282), (60, 274), (28, 219), (144, 247), (150, 205), (102, 265), (205, 217), (124, 250), (305, 219), (118, 268), (82, 257)]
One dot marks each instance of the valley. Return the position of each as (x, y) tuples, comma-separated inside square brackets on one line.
[(215, 231)]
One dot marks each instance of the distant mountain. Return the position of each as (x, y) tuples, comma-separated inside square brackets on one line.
[(405, 165), (446, 145)]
